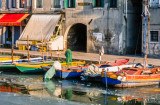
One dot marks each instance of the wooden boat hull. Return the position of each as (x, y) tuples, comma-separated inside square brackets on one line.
[(65, 74), (36, 68), (8, 68), (29, 69), (23, 60), (4, 58), (132, 81)]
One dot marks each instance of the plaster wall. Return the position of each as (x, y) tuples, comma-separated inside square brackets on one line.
[(153, 47), (108, 21)]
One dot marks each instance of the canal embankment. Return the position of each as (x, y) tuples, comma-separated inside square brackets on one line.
[(91, 57)]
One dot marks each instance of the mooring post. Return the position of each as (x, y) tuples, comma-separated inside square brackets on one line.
[(106, 86), (106, 78), (12, 52)]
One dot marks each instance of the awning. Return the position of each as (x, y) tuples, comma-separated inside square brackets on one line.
[(12, 19), (40, 27)]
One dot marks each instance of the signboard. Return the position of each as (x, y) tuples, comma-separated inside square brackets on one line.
[(83, 4), (98, 36)]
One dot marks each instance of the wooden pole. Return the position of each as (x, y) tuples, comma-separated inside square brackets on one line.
[(100, 59), (58, 54), (42, 52), (147, 41), (28, 47), (12, 52), (51, 55)]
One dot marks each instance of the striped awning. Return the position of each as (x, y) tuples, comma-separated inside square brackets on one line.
[(12, 19), (40, 27)]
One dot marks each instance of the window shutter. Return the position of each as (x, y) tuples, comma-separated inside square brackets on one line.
[(94, 3), (102, 3), (74, 3), (66, 3), (117, 3)]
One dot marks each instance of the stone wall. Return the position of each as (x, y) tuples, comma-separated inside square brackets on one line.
[(108, 21)]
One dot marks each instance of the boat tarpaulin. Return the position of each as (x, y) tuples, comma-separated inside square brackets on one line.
[(40, 27), (12, 19)]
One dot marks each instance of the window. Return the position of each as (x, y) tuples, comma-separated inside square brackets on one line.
[(154, 3), (39, 4), (22, 3), (7, 3), (70, 3), (98, 3), (13, 4), (56, 3), (113, 3), (154, 36), (0, 3)]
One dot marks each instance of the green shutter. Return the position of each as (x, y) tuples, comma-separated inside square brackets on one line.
[(94, 3), (74, 3), (102, 3), (66, 3), (117, 3)]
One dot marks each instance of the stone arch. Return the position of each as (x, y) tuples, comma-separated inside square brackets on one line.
[(75, 37)]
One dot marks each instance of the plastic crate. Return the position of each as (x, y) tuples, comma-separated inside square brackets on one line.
[(22, 47)]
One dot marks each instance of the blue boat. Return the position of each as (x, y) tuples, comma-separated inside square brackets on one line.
[(64, 74)]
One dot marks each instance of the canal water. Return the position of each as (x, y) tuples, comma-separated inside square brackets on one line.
[(26, 89)]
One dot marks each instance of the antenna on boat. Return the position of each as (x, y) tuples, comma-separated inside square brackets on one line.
[(147, 16)]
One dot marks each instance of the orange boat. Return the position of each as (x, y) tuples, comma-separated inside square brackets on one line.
[(132, 77)]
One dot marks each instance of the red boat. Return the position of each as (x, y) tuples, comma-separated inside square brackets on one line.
[(132, 77)]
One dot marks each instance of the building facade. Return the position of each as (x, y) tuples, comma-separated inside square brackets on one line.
[(154, 35), (87, 24), (10, 30)]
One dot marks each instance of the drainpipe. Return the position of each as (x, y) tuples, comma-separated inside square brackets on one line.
[(126, 9), (126, 27)]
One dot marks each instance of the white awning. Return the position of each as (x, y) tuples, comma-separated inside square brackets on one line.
[(40, 27)]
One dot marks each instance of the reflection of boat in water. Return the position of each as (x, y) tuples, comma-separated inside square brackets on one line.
[(13, 88)]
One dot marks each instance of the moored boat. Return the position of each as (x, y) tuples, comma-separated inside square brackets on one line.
[(93, 72), (132, 77), (64, 74), (73, 72), (7, 58), (7, 66), (36, 67), (23, 60)]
